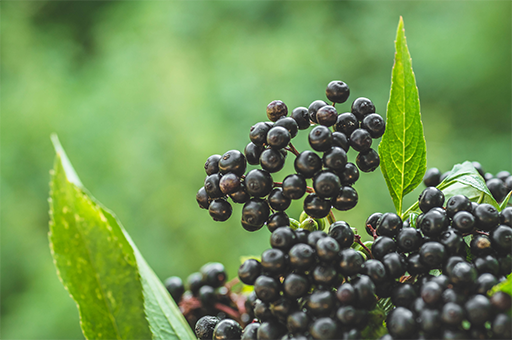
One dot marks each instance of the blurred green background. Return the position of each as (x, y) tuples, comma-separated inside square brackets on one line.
[(141, 93)]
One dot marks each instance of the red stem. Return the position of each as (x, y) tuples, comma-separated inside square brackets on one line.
[(292, 149), (358, 240)]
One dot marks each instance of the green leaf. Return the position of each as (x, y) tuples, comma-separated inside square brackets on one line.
[(505, 286), (376, 326), (465, 180), (503, 204), (117, 294), (403, 148)]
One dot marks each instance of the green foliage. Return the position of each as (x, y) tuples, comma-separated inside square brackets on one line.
[(402, 150), (376, 325), (464, 179), (117, 293), (505, 286), (504, 204)]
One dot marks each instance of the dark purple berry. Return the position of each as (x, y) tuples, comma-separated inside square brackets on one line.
[(346, 199), (320, 138), (346, 123), (211, 166), (362, 107), (374, 124), (368, 161), (249, 271), (327, 115), (340, 140), (220, 210), (335, 159), (277, 220), (313, 108), (308, 163), (316, 206), (337, 91), (258, 183), (301, 117), (430, 198), (360, 140), (432, 177), (233, 161), (289, 124), (276, 109), (252, 153)]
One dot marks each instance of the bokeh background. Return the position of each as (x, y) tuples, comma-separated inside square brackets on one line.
[(142, 92)]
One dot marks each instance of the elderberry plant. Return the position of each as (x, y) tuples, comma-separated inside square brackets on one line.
[(439, 269)]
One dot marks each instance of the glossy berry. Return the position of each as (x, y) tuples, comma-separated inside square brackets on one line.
[(233, 161), (487, 264), (194, 282), (320, 302), (202, 198), (349, 175), (431, 293), (324, 275), (316, 206), (295, 285), (433, 254), (452, 314), (346, 199), (457, 203), (283, 238), (241, 195), (277, 220), (375, 270), (227, 329), (297, 322), (335, 159), (276, 109), (346, 123), (302, 257), (255, 213), (478, 309), (340, 140), (368, 161), (374, 124), (484, 283), (362, 107), (258, 133), (220, 210), (337, 91), (409, 239), (486, 216), (501, 239), (266, 288), (360, 140), (327, 115), (249, 271), (211, 186), (271, 329), (430, 197), (308, 164), (301, 117), (342, 233), (252, 153), (250, 331), (277, 200), (262, 310), (371, 222), (205, 326), (395, 265), (463, 221), (432, 177), (365, 291), (313, 108), (326, 184), (294, 186), (271, 160), (327, 249), (383, 245), (324, 328), (452, 240), (278, 137), (463, 275), (389, 224), (175, 287), (501, 301), (211, 166), (401, 323), (433, 223), (403, 295), (229, 183), (497, 189), (506, 216), (258, 183), (320, 138), (207, 296), (289, 124), (351, 262)]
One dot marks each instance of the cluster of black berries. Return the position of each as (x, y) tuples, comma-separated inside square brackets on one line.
[(207, 294), (499, 185), (453, 305), (332, 175), (308, 285)]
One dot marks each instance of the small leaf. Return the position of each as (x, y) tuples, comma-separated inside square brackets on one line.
[(504, 286), (403, 148), (117, 294), (376, 324), (465, 180), (503, 204)]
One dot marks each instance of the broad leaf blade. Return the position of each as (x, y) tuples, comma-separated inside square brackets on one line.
[(137, 305), (504, 204), (403, 148)]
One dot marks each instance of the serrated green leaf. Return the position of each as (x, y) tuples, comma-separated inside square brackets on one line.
[(503, 204), (403, 148), (117, 294), (465, 180)]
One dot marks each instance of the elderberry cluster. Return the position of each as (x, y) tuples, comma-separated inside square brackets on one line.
[(331, 173), (453, 305), (499, 185), (207, 294)]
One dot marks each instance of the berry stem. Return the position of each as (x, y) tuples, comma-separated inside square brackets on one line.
[(330, 218), (373, 230), (358, 241), (292, 149)]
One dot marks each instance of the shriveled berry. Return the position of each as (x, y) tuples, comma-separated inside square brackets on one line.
[(276, 109), (205, 326), (327, 115)]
